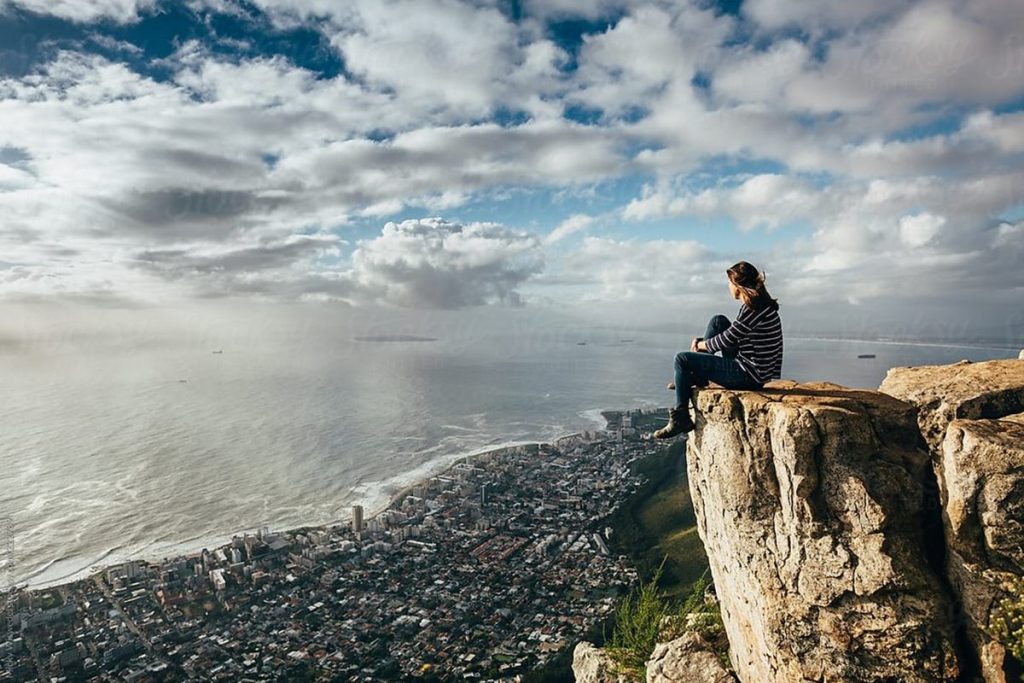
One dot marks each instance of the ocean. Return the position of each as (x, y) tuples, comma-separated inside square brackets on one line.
[(106, 456)]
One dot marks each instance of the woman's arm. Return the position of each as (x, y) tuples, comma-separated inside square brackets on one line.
[(731, 336), (738, 330)]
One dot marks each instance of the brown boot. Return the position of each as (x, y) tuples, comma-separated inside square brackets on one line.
[(679, 422)]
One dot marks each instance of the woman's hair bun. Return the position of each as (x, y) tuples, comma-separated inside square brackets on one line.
[(744, 274), (751, 283)]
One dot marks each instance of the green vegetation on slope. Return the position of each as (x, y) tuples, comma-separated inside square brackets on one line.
[(658, 524), (637, 625), (647, 617)]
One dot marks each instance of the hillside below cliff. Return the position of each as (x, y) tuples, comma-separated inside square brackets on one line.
[(855, 535)]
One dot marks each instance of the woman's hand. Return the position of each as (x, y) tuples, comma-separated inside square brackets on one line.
[(698, 345)]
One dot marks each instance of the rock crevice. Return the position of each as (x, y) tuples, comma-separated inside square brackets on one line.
[(971, 417)]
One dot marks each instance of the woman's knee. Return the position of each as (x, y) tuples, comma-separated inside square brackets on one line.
[(719, 321), (683, 358)]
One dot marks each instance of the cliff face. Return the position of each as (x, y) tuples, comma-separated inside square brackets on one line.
[(972, 416), (809, 500), (859, 535)]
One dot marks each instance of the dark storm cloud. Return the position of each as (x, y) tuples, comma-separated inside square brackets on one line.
[(179, 213)]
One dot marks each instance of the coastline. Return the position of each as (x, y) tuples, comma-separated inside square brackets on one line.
[(434, 468), (416, 477)]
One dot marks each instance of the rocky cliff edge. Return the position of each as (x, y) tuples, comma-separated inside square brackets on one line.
[(858, 535)]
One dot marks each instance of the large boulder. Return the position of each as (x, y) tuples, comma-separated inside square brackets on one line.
[(972, 416), (809, 502), (593, 665), (963, 390), (687, 659)]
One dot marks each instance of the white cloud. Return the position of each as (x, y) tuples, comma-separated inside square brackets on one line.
[(765, 200), (1003, 133), (631, 270), (569, 226), (430, 263), (1009, 235), (234, 152), (433, 263), (417, 165), (204, 179), (868, 236), (820, 15), (586, 9), (632, 63), (12, 178), (920, 229), (415, 47), (84, 11), (934, 52), (754, 76)]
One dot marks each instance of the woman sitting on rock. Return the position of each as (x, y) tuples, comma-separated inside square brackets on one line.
[(751, 349)]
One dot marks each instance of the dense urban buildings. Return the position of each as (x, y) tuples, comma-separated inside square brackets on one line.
[(481, 572)]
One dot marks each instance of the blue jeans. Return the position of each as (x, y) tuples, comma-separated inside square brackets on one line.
[(697, 368)]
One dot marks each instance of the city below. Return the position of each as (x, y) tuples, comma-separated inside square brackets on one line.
[(485, 571)]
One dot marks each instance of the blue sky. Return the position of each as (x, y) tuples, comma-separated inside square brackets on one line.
[(601, 157)]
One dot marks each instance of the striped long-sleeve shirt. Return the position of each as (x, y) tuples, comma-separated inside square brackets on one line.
[(758, 334)]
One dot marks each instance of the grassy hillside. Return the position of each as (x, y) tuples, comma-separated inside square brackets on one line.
[(658, 523)]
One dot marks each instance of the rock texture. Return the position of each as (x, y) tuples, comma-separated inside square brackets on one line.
[(593, 665), (972, 415), (856, 535), (809, 502), (963, 390), (983, 463), (687, 659)]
